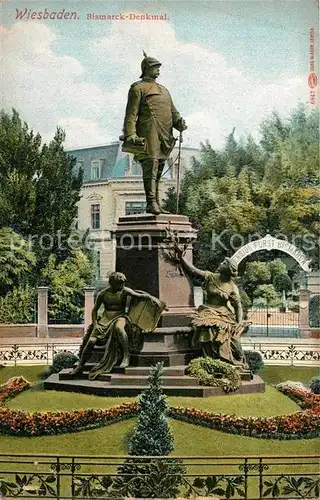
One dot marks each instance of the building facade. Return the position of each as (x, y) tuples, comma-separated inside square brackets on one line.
[(113, 187)]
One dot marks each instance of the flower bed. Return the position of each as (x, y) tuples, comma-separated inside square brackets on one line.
[(23, 423), (304, 397), (299, 425), (12, 388)]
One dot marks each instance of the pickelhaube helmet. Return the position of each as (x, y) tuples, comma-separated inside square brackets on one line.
[(148, 62)]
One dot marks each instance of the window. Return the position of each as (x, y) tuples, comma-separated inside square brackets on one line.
[(95, 216), (95, 170), (135, 207), (175, 170)]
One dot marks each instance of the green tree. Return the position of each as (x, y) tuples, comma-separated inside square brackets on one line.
[(16, 260), (266, 292), (282, 283), (256, 273), (277, 267), (66, 281), (152, 434), (39, 188), (249, 188), (18, 305), (292, 171), (39, 192)]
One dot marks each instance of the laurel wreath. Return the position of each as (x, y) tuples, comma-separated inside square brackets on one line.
[(215, 373)]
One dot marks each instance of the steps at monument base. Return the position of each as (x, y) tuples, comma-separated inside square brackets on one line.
[(169, 381), (168, 359), (145, 370), (66, 375), (131, 379), (139, 375), (104, 388), (137, 370)]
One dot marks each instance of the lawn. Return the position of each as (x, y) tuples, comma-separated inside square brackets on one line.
[(273, 374), (189, 439)]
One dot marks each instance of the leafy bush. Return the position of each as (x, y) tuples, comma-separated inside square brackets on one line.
[(63, 360), (254, 361), (314, 311), (216, 373), (315, 385), (266, 292)]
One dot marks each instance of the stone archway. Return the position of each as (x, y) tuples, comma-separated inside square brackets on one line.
[(268, 242), (271, 243)]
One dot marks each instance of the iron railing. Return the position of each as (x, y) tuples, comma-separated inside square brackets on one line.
[(286, 353), (223, 477), (271, 322), (278, 353), (34, 354)]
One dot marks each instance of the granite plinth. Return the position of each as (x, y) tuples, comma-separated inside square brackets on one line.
[(173, 347), (171, 388), (143, 255)]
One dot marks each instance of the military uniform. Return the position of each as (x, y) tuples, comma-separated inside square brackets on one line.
[(151, 114)]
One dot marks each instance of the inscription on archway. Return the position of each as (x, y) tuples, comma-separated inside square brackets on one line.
[(271, 243)]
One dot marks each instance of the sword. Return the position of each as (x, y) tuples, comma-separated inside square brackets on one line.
[(178, 173)]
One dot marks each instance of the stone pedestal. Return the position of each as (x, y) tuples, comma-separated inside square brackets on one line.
[(304, 296), (42, 327), (142, 255), (88, 305)]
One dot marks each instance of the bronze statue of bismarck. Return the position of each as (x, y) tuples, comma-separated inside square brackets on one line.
[(147, 132)]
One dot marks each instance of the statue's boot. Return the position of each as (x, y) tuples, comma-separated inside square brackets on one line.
[(161, 164), (149, 168)]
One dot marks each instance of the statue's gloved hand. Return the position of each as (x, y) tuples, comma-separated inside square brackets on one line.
[(133, 138), (181, 125)]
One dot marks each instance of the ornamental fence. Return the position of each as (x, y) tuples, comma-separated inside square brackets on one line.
[(272, 322), (283, 353), (224, 477), (265, 321), (276, 353)]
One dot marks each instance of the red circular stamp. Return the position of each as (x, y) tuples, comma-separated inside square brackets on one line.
[(312, 80)]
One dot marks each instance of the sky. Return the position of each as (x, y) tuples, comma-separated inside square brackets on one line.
[(226, 63)]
